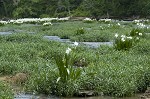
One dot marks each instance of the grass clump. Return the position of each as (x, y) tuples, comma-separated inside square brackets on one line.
[(123, 42), (80, 31), (1, 24), (61, 82), (135, 32), (5, 91)]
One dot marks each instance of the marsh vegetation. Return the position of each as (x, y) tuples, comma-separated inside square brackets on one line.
[(66, 69)]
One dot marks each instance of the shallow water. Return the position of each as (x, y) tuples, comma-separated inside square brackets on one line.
[(29, 96), (5, 33), (96, 44), (88, 44), (56, 38)]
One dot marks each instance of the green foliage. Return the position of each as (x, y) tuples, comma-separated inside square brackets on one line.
[(42, 80), (112, 75), (80, 31), (135, 32), (91, 37), (66, 70), (20, 37), (7, 67), (5, 91), (1, 24), (68, 88), (122, 42)]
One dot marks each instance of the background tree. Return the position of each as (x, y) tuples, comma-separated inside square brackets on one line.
[(62, 8)]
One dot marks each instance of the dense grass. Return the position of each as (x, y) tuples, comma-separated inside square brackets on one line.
[(107, 70), (5, 91)]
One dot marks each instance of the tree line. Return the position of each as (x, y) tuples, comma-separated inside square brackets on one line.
[(83, 8)]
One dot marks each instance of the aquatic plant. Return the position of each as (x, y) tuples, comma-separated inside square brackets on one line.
[(80, 31), (135, 32), (65, 67), (123, 42)]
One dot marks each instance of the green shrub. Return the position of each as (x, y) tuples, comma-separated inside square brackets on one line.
[(80, 31), (123, 42)]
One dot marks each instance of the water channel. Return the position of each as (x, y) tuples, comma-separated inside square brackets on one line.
[(29, 96)]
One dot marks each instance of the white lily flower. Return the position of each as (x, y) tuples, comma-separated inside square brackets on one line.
[(123, 36), (68, 71), (123, 39), (129, 37), (116, 35), (140, 34), (76, 43), (58, 79), (118, 24), (68, 50)]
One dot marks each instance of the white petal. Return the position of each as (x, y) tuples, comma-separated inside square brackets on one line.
[(68, 71), (68, 50), (58, 79), (116, 35), (122, 39)]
